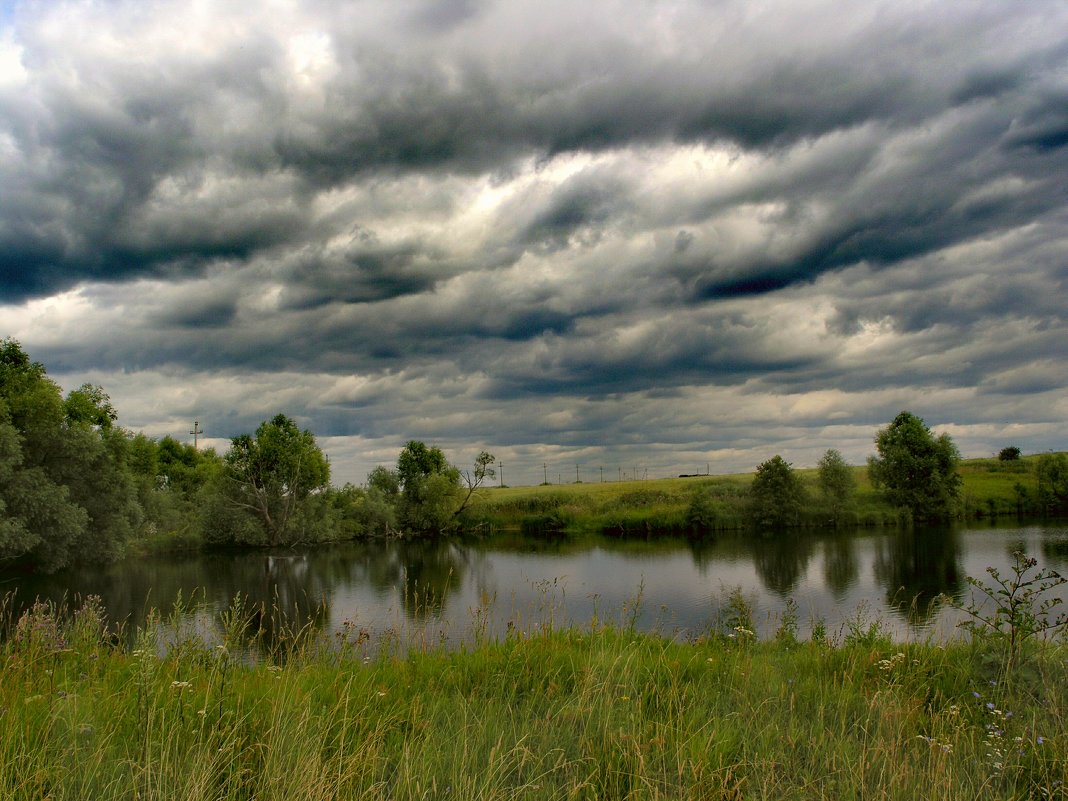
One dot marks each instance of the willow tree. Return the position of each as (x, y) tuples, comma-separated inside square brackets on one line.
[(271, 476)]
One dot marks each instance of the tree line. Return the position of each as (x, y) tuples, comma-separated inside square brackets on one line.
[(75, 487), (916, 472)]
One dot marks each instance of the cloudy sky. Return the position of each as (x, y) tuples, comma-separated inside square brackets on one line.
[(651, 237)]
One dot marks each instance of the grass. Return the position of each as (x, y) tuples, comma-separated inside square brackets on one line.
[(546, 714), (991, 488)]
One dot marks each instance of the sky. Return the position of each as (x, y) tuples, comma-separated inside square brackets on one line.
[(608, 238)]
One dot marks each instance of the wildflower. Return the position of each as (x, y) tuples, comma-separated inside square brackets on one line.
[(989, 705), (180, 685), (976, 695), (1040, 740)]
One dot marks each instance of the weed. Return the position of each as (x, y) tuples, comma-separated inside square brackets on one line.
[(1022, 609)]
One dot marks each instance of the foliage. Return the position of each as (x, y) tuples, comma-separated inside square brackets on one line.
[(66, 490), (1022, 607), (777, 495), (429, 489), (917, 470), (273, 476), (837, 484), (90, 406), (1052, 475), (1009, 454)]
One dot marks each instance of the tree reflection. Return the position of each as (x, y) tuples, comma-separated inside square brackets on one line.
[(423, 572), (780, 561), (840, 568), (915, 566), (1055, 551)]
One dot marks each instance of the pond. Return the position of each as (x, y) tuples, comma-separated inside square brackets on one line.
[(455, 591)]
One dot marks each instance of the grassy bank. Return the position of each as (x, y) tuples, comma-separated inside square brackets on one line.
[(991, 488), (606, 714)]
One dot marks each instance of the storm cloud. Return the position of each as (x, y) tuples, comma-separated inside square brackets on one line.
[(664, 234)]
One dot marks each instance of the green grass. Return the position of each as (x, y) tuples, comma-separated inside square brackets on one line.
[(991, 488), (556, 714)]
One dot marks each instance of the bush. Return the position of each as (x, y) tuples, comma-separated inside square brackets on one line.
[(776, 495)]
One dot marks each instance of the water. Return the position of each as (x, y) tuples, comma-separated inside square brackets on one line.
[(453, 591)]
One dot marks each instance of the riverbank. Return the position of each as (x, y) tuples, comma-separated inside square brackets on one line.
[(991, 489), (604, 714)]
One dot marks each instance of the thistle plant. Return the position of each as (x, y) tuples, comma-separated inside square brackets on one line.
[(1018, 607)]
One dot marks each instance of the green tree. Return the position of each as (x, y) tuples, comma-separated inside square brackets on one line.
[(429, 489), (836, 482), (271, 476), (1009, 454), (66, 490), (915, 469), (776, 496), (89, 406), (1051, 473)]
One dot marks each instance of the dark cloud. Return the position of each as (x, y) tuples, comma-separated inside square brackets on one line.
[(553, 225), (208, 313)]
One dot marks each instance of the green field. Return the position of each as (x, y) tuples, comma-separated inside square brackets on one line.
[(991, 488)]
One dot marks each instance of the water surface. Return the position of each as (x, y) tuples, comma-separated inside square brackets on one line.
[(457, 590)]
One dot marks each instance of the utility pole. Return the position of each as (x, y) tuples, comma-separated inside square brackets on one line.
[(196, 432), (502, 474), (602, 474), (576, 474), (545, 472)]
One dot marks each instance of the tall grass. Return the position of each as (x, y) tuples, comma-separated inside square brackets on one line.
[(543, 714)]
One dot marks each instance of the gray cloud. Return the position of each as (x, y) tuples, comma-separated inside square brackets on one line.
[(689, 228)]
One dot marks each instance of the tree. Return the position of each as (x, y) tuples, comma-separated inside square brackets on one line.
[(429, 487), (473, 479), (272, 474), (1009, 454), (66, 490), (89, 406), (836, 482), (776, 495), (1052, 475), (915, 469)]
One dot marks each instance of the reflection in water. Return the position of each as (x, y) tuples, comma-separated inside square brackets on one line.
[(380, 586), (916, 566), (840, 568), (1055, 550), (422, 572), (781, 560)]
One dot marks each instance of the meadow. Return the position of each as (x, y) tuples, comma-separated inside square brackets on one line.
[(991, 488), (542, 713)]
